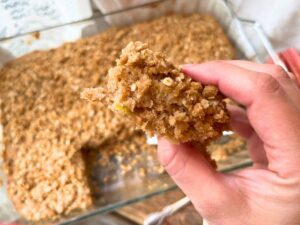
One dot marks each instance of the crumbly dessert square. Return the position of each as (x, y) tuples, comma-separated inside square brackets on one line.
[(159, 99)]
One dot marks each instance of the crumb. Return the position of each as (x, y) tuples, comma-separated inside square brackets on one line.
[(36, 35)]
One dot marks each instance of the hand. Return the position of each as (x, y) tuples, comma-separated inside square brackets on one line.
[(268, 193)]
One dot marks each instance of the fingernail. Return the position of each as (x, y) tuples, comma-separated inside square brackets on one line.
[(185, 68)]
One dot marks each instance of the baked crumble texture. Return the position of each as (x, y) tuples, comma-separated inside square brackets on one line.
[(161, 100), (48, 128)]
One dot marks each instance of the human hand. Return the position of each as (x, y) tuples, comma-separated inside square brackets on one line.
[(268, 193)]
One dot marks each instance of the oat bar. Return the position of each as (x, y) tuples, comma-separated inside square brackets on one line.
[(160, 99)]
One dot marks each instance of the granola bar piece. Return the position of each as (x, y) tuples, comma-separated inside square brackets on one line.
[(160, 99)]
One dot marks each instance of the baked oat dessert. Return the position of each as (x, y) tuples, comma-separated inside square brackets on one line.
[(48, 129), (160, 99)]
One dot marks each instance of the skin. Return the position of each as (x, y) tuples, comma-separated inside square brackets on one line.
[(268, 193)]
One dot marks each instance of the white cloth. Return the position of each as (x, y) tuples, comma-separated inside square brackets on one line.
[(280, 19)]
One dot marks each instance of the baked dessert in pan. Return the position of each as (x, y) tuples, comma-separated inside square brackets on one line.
[(48, 128)]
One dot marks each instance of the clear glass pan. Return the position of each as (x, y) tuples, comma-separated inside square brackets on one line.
[(243, 35)]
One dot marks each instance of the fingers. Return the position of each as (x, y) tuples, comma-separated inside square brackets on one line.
[(271, 69), (270, 111), (239, 121), (257, 152), (191, 172), (241, 124), (286, 79), (240, 84), (274, 70)]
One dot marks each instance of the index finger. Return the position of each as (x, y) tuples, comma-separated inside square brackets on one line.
[(270, 111)]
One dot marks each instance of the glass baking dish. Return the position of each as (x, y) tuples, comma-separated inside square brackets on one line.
[(243, 34)]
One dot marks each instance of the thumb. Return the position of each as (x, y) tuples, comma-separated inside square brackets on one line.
[(193, 173)]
